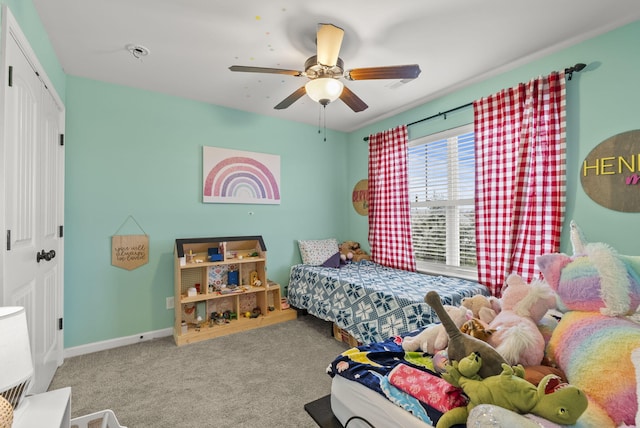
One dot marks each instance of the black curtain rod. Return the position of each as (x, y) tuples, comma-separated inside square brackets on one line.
[(442, 113), (568, 71)]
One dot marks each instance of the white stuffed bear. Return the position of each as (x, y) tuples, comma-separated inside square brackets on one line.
[(433, 338)]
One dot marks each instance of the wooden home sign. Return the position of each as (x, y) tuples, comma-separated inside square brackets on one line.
[(610, 174), (360, 197), (129, 251)]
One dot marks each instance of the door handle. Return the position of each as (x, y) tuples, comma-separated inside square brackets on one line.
[(46, 255)]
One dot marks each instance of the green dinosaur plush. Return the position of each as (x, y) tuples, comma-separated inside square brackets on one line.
[(551, 399)]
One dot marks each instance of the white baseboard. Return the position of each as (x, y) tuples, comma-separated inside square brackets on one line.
[(115, 343)]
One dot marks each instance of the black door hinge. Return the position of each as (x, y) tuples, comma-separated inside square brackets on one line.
[(10, 76), (62, 139), (59, 323), (60, 231), (8, 240)]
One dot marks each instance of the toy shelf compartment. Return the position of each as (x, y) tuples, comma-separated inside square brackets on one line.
[(237, 249)]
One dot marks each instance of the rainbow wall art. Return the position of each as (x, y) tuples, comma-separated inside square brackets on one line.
[(234, 176)]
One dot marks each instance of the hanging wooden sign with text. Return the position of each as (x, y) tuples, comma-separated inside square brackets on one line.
[(129, 251), (610, 174), (360, 197)]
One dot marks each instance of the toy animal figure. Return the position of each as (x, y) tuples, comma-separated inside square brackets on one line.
[(557, 402), (595, 278), (461, 345), (516, 334), (483, 308), (434, 338), (597, 288), (476, 328), (351, 251)]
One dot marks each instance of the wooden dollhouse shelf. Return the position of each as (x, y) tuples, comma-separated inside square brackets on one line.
[(202, 285)]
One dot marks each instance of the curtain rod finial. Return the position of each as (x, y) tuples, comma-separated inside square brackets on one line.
[(576, 68)]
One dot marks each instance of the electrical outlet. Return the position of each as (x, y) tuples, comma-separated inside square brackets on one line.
[(170, 302)]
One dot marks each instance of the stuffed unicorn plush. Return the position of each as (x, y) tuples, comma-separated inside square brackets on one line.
[(595, 278), (596, 342)]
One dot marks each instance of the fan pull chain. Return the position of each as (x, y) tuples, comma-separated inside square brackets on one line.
[(324, 107), (322, 120)]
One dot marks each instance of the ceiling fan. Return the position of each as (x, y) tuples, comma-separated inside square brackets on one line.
[(326, 68)]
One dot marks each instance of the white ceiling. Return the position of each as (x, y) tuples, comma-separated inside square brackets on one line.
[(193, 42)]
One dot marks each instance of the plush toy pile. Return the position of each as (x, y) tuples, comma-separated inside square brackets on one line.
[(509, 325), (595, 344)]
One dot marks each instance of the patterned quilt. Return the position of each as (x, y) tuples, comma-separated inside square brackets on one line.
[(373, 302)]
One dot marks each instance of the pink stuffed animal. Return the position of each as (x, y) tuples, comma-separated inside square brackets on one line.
[(517, 337)]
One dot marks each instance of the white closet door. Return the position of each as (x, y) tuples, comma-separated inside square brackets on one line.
[(33, 206)]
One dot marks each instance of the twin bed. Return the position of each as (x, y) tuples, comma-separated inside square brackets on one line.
[(374, 304)]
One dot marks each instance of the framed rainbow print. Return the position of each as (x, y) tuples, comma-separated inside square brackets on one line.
[(239, 177)]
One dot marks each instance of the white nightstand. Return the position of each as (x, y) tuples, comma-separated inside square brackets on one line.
[(49, 409)]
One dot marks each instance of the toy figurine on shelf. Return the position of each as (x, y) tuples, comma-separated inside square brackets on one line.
[(219, 318), (253, 279), (255, 313), (228, 315)]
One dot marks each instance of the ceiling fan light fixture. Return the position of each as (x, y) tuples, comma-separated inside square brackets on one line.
[(324, 90)]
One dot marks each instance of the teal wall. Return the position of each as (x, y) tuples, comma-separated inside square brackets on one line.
[(137, 153), (602, 101)]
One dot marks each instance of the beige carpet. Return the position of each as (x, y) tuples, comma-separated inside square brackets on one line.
[(257, 378)]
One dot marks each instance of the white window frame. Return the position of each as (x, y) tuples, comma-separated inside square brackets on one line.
[(452, 266)]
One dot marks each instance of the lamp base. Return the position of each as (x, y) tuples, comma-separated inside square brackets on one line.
[(6, 413)]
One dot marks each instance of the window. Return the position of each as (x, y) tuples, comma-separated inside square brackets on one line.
[(441, 191)]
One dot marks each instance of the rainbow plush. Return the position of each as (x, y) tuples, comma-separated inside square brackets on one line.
[(594, 341), (594, 351), (595, 278)]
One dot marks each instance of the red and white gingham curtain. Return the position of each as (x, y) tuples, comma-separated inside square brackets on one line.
[(520, 178), (389, 207)]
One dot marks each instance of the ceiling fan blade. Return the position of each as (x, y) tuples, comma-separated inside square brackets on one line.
[(410, 71), (291, 98), (352, 100), (329, 40), (265, 70)]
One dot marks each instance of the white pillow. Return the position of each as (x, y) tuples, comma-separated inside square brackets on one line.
[(316, 252)]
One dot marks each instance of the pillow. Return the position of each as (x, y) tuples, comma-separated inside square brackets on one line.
[(316, 252)]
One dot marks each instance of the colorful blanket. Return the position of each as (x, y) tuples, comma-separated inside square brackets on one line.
[(373, 302), (427, 388), (372, 365)]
